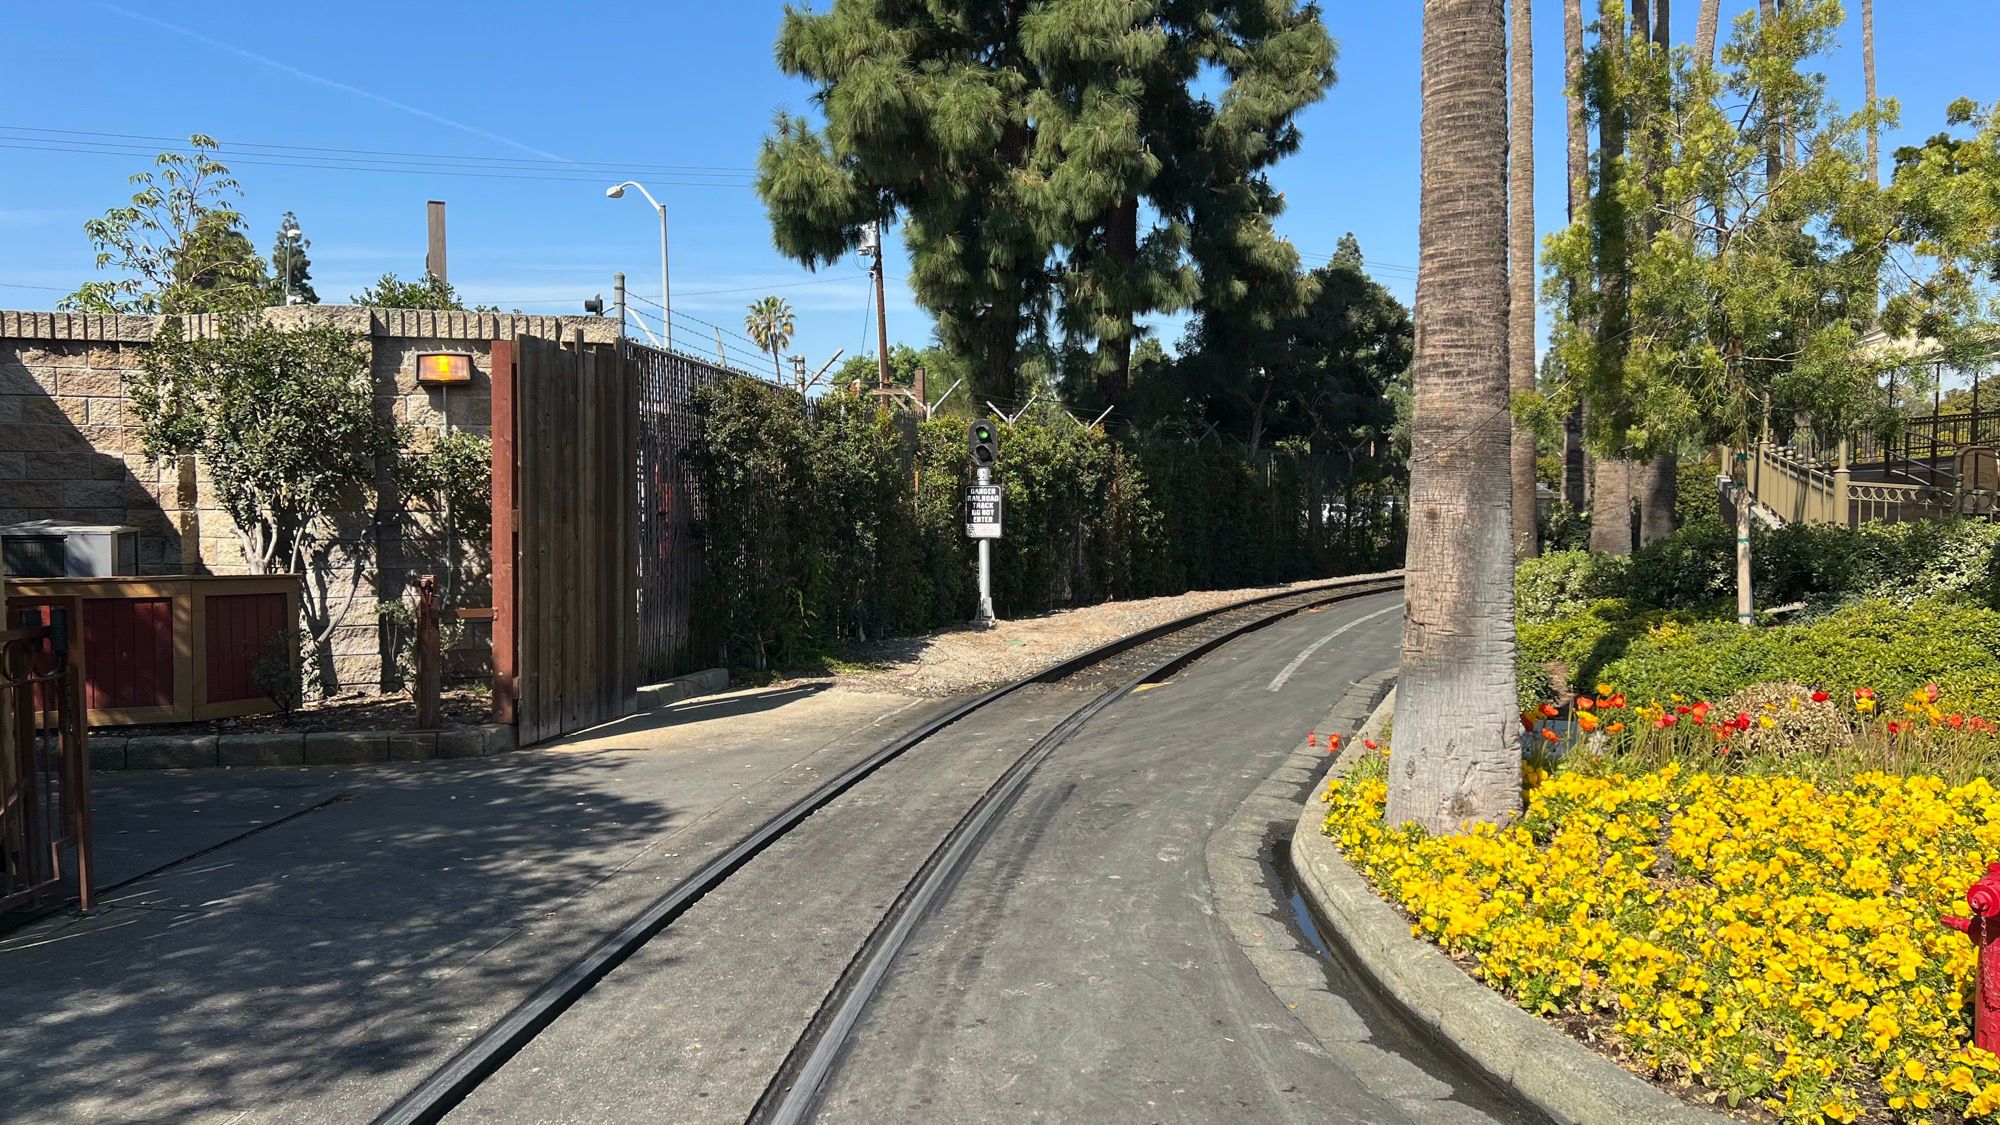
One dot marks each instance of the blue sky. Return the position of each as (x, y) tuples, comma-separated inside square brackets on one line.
[(681, 94)]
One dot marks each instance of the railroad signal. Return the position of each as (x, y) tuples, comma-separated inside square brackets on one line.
[(983, 440)]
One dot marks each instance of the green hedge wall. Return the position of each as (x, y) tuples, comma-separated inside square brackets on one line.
[(839, 521)]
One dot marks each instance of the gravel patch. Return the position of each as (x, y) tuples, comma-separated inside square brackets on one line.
[(968, 659)]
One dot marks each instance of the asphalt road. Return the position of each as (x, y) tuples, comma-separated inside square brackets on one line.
[(1090, 967)]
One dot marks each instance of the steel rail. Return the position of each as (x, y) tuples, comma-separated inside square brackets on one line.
[(794, 1094), (451, 1083)]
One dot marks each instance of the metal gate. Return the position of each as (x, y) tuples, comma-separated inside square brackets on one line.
[(669, 505), (44, 767), (565, 631)]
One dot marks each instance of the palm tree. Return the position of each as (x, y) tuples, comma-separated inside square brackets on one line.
[(1614, 478), (1659, 478), (1521, 265), (1455, 757), (770, 323), (1575, 472), (1704, 31), (1868, 88)]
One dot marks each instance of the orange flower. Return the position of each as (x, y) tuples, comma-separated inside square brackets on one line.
[(1864, 693), (1604, 689), (1614, 728), (1549, 711), (1587, 721), (1618, 700), (1583, 703), (1551, 735), (1333, 742)]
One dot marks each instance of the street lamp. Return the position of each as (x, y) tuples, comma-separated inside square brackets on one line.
[(617, 191), (289, 234)]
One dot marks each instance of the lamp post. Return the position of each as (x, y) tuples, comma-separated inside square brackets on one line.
[(289, 234), (617, 191)]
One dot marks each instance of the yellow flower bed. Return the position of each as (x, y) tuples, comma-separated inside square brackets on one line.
[(1774, 941)]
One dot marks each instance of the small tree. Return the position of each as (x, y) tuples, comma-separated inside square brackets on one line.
[(433, 292), (179, 241), (285, 423), (771, 324)]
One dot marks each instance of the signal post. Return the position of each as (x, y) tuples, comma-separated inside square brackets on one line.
[(982, 509)]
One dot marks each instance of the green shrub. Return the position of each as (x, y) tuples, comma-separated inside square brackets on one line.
[(1562, 583), (1881, 644), (1696, 498), (1692, 568)]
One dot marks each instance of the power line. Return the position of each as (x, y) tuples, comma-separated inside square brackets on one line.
[(509, 161), (134, 150)]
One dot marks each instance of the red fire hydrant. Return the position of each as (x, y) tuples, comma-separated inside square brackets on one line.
[(1984, 930)]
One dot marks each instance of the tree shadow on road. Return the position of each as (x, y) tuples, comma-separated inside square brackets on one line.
[(316, 970)]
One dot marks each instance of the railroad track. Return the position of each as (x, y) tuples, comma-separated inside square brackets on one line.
[(1108, 672)]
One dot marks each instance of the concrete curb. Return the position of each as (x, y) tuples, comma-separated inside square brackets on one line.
[(1559, 1076), (347, 747), (296, 748), (708, 681)]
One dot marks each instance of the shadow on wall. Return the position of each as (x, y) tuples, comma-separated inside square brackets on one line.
[(357, 942), (65, 453)]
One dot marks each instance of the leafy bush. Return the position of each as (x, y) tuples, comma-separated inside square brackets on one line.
[(1582, 644), (1696, 499), (839, 520), (1786, 720), (1562, 583), (1880, 644), (1692, 568)]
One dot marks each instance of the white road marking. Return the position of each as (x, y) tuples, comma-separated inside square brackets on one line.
[(1278, 681)]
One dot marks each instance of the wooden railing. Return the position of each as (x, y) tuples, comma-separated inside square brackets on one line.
[(168, 649), (1796, 487)]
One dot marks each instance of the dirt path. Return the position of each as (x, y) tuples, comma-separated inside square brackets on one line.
[(966, 658)]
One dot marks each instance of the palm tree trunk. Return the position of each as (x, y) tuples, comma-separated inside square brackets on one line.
[(1611, 506), (1575, 479), (1704, 32), (1455, 757), (1868, 89), (1612, 494), (1660, 477), (1521, 266)]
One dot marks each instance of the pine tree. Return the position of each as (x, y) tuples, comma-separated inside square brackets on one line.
[(300, 290), (1025, 145)]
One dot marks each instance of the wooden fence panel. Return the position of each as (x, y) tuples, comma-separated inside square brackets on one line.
[(574, 566)]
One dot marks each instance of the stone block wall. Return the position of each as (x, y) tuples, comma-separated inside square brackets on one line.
[(68, 451)]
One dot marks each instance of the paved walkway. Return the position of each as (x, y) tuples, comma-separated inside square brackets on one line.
[(305, 944)]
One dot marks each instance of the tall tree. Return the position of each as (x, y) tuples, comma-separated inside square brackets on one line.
[(1048, 157), (1611, 492), (1868, 88), (1455, 758), (771, 324), (1765, 304), (1575, 460), (1521, 265), (289, 256), (1704, 32), (178, 242), (1659, 477)]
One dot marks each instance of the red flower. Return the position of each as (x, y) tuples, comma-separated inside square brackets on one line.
[(1549, 711), (1665, 721), (1551, 735), (1931, 692), (1680, 710), (1618, 700), (1957, 722), (1864, 693), (1700, 710), (1370, 743), (1819, 697), (1894, 727), (1333, 742), (1584, 703)]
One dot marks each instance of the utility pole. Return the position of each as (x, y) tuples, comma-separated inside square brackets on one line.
[(799, 373), (618, 288), (881, 313)]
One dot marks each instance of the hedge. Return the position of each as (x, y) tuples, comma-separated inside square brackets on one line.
[(837, 520)]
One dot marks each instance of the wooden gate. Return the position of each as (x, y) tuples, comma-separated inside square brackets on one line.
[(44, 768), (565, 536)]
